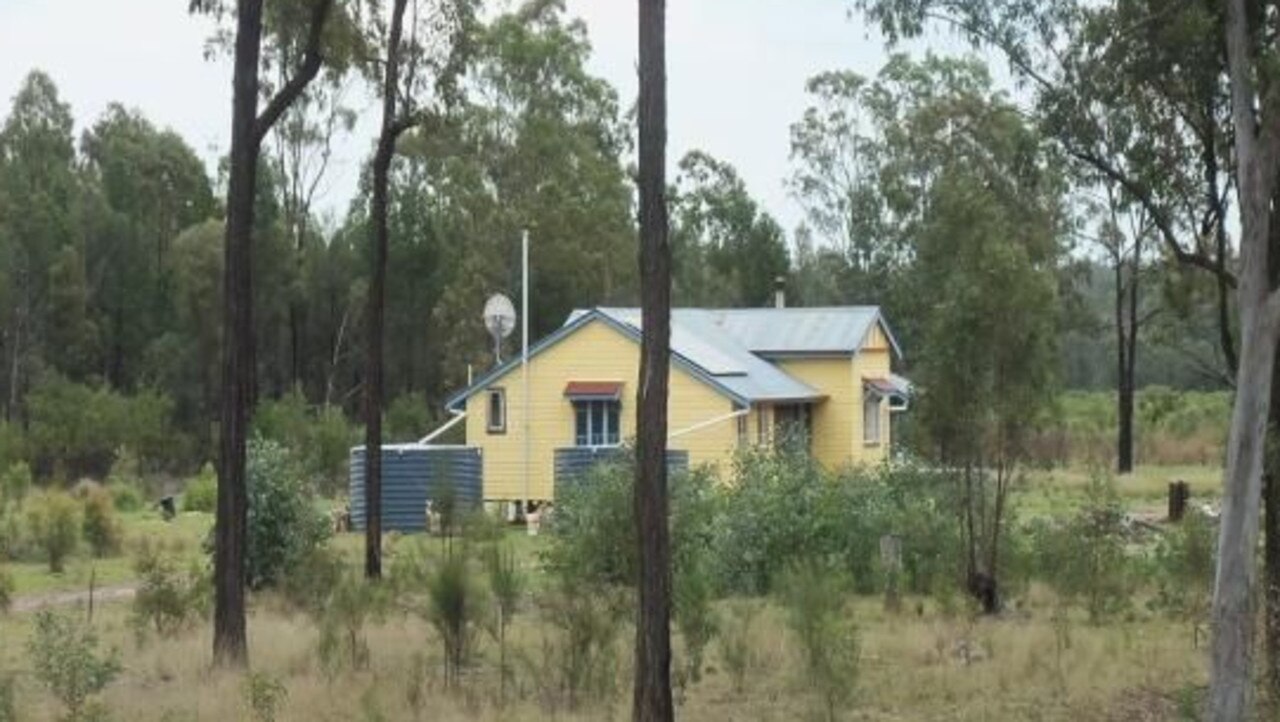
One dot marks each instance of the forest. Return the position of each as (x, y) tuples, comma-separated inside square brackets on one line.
[(1066, 222)]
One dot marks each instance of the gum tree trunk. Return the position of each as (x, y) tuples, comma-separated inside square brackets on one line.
[(652, 698)]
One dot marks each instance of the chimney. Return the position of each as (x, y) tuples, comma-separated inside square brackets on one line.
[(780, 292)]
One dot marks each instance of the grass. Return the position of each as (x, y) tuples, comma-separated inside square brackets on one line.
[(911, 670), (1053, 491)]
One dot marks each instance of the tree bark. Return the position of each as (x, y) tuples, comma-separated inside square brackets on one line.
[(377, 300), (1257, 144), (652, 697), (1124, 371), (247, 132), (229, 643)]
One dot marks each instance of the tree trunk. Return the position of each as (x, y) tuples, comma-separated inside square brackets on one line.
[(652, 699), (1124, 371), (229, 645), (377, 301), (1271, 547)]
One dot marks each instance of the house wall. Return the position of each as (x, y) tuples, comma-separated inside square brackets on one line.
[(595, 352), (831, 443), (872, 361)]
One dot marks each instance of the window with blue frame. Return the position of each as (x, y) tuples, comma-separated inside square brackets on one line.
[(596, 422)]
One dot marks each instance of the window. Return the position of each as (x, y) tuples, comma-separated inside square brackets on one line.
[(742, 428), (871, 419), (497, 407), (596, 423)]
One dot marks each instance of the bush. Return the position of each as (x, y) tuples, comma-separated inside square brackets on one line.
[(15, 482), (456, 605), (201, 493), (506, 584), (1084, 559), (7, 589), (352, 601), (13, 445), (736, 651), (579, 662), (65, 658), (167, 601), (320, 439), (264, 695), (8, 699), (101, 528), (1183, 563), (13, 540), (284, 524), (53, 522), (814, 597)]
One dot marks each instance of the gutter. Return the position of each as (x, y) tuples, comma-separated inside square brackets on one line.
[(709, 422), (458, 416)]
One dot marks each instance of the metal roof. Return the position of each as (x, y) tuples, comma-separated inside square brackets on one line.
[(696, 337), (804, 330)]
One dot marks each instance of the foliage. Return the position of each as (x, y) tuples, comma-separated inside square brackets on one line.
[(101, 529), (65, 658), (53, 523), (7, 588), (1085, 559), (284, 524), (8, 699), (455, 606), (168, 600), (815, 599), (577, 661), (13, 537), (15, 482), (320, 439), (506, 585), (1183, 564), (696, 622), (264, 695), (201, 492)]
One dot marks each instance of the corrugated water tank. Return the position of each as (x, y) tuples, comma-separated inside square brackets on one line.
[(411, 474)]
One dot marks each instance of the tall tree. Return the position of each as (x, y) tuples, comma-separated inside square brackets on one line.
[(248, 129), (652, 698), (416, 71)]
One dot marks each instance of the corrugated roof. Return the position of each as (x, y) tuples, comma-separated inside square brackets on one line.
[(698, 338), (806, 330)]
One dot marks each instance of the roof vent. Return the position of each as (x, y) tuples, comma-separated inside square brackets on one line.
[(780, 292)]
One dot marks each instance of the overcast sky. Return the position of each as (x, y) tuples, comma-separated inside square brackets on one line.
[(736, 72)]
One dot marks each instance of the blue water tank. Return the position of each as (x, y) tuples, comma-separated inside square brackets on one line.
[(411, 474)]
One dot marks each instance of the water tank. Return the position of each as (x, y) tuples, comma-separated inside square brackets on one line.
[(411, 474)]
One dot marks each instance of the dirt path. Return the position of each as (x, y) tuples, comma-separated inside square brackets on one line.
[(101, 595)]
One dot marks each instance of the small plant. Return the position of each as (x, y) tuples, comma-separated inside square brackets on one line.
[(53, 521), (13, 538), (167, 601), (415, 693), (341, 618), (201, 493), (506, 583), (578, 661), (696, 622), (736, 651), (264, 695), (7, 588), (99, 525), (125, 495), (8, 699), (1085, 558), (65, 658), (455, 603), (1183, 563), (15, 482), (814, 597)]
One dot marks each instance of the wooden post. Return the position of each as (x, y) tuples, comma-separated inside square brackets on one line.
[(1179, 493)]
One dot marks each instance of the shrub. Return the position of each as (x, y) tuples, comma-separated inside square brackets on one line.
[(352, 601), (53, 522), (284, 524), (455, 604), (696, 622), (1183, 563), (13, 540), (126, 495), (264, 695), (7, 589), (320, 439), (736, 651), (167, 601), (814, 597), (201, 493), (8, 699), (100, 527), (65, 658), (1084, 559), (15, 482), (13, 446), (579, 661), (506, 584)]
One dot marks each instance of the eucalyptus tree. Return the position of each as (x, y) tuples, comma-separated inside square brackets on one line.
[(652, 695), (419, 81), (249, 127)]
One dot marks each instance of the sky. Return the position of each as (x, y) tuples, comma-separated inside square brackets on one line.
[(736, 71)]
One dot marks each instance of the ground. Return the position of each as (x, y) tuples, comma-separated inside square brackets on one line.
[(921, 663)]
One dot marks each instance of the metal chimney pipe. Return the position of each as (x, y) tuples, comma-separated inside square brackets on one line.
[(780, 292)]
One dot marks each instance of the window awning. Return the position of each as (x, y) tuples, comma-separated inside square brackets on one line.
[(895, 388), (593, 390)]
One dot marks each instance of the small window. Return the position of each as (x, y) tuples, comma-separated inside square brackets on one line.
[(871, 420), (497, 420), (596, 422)]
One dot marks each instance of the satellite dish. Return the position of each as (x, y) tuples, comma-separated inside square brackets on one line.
[(500, 320)]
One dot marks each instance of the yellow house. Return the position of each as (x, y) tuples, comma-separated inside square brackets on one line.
[(738, 377)]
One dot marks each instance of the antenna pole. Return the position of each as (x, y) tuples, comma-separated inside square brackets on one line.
[(524, 353)]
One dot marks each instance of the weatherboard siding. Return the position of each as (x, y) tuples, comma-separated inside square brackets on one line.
[(595, 352), (830, 442), (871, 361)]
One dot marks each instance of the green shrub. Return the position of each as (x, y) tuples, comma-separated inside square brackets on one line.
[(815, 599), (579, 660), (167, 600), (1084, 560), (8, 699), (13, 444), (736, 651), (408, 418), (696, 623), (201, 493), (65, 658), (1183, 564), (99, 524), (284, 523), (455, 606), (506, 584), (13, 539), (264, 695), (15, 482), (53, 523), (7, 589), (126, 494), (320, 439), (351, 602)]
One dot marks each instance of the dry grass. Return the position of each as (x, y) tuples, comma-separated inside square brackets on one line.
[(913, 669)]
